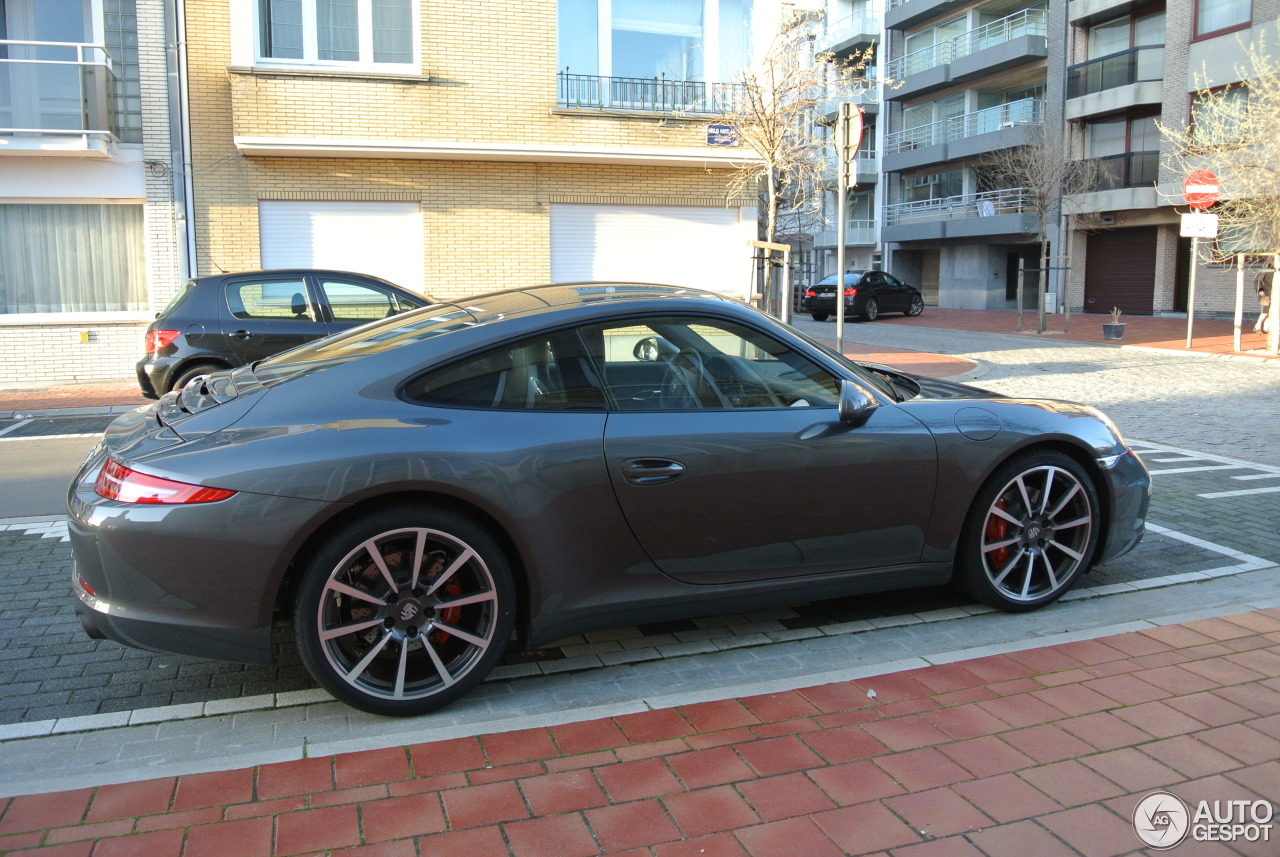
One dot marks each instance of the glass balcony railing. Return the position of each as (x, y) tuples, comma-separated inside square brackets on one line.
[(1130, 169), (56, 89), (1135, 65), (1026, 111), (646, 94), (1016, 200), (1028, 22), (852, 26)]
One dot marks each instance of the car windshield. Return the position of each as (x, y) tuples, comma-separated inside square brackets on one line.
[(849, 277)]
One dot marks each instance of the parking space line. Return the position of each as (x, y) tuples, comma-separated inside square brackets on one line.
[(1252, 476), (16, 425), (1197, 469), (1243, 492)]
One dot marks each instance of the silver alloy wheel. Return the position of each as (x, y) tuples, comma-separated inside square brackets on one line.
[(917, 305), (872, 310), (407, 613), (1036, 534)]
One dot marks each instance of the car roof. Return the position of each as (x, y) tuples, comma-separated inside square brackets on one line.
[(537, 299)]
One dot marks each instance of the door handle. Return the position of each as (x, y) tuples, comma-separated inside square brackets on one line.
[(651, 471), (242, 335)]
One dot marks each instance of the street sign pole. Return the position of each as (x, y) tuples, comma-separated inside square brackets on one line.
[(1191, 288), (842, 192), (1200, 190)]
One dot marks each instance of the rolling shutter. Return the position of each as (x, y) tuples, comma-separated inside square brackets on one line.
[(1120, 271), (691, 246), (379, 238)]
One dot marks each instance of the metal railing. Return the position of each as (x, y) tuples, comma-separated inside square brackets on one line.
[(855, 232), (55, 89), (1028, 22), (646, 94), (1145, 63), (1015, 200), (853, 25), (1130, 169), (1026, 111)]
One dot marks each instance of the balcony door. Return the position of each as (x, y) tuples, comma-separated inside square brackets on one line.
[(41, 84)]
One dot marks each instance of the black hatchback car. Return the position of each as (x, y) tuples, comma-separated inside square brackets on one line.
[(229, 320), (866, 295)]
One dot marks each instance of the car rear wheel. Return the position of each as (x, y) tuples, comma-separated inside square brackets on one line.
[(917, 305), (871, 311), (404, 610), (821, 316), (186, 375), (1030, 533)]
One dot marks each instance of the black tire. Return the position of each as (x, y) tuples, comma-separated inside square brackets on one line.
[(418, 635), (1030, 533), (821, 316), (916, 307), (871, 311), (184, 377)]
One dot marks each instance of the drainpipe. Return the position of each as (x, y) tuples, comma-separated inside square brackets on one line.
[(175, 27)]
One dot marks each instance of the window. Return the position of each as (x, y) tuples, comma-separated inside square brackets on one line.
[(690, 40), (932, 186), (547, 372), (693, 364), (369, 32), (275, 299), (1216, 115), (360, 302), (71, 258), (1220, 16)]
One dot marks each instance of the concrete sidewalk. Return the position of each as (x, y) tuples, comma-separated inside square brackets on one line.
[(1044, 752)]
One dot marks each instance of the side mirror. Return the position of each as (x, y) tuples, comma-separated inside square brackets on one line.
[(856, 403)]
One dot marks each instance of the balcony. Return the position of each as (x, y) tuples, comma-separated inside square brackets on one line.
[(857, 233), (991, 129), (55, 99), (855, 32), (1117, 82), (1125, 182), (646, 94), (998, 212), (1008, 42), (868, 99), (906, 13)]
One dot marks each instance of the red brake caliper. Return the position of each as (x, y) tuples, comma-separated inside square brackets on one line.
[(449, 615), (997, 531)]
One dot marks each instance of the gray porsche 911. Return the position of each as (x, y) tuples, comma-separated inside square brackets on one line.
[(559, 459)]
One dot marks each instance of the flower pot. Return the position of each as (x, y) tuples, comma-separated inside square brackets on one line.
[(1113, 331)]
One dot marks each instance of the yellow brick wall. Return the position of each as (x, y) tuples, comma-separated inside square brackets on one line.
[(489, 77)]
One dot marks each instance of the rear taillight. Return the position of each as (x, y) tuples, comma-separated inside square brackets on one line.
[(120, 483), (850, 291), (158, 339), (810, 293)]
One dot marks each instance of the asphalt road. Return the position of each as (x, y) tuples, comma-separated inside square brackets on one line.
[(35, 473)]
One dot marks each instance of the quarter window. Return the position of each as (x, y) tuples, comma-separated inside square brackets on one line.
[(369, 32)]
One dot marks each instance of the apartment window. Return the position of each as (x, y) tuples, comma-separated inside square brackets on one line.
[(933, 186), (932, 47), (1221, 16), (320, 32), (698, 40), (1216, 115)]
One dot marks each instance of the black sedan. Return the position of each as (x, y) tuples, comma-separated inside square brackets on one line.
[(566, 458), (227, 320), (866, 295)]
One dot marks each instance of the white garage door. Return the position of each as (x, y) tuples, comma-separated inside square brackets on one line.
[(691, 246), (379, 238)]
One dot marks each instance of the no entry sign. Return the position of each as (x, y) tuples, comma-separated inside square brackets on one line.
[(1200, 190)]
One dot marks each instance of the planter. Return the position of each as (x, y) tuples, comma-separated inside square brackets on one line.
[(1113, 331)]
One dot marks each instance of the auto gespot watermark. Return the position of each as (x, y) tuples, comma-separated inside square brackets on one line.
[(1163, 820)]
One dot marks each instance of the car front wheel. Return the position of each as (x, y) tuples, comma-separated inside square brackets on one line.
[(1030, 532), (404, 610), (917, 305)]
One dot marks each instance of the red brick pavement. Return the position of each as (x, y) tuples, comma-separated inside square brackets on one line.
[(1039, 753)]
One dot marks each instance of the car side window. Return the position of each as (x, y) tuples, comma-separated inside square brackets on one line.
[(891, 283), (875, 280), (547, 372), (279, 300), (686, 363), (360, 302)]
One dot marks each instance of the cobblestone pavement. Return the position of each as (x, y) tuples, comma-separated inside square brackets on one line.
[(1214, 404)]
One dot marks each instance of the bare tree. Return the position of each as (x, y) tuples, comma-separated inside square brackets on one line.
[(1048, 182), (779, 117), (1235, 132)]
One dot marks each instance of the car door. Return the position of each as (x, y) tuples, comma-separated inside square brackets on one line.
[(748, 473), (897, 297), (265, 314), (349, 302)]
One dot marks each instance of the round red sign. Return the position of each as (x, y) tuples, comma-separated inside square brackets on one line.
[(1200, 189)]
